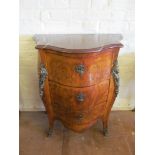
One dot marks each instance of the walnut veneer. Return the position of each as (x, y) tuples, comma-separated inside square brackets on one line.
[(78, 78)]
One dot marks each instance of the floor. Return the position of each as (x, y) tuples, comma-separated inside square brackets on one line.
[(119, 141)]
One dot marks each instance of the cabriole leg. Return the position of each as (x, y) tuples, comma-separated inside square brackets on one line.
[(50, 130), (105, 127)]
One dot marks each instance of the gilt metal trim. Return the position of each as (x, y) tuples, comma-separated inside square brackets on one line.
[(115, 73), (80, 69), (43, 75), (80, 97)]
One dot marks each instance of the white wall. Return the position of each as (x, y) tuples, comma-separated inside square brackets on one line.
[(79, 16), (74, 16)]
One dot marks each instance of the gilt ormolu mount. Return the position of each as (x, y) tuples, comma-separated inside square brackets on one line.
[(43, 75), (79, 78), (115, 73)]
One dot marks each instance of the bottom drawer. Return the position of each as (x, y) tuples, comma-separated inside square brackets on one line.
[(82, 117)]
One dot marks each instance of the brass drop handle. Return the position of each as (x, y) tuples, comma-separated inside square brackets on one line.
[(79, 117), (80, 97), (80, 69)]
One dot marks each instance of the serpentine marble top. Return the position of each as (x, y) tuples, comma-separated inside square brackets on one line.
[(77, 43)]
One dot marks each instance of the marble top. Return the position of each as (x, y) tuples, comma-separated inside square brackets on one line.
[(77, 43)]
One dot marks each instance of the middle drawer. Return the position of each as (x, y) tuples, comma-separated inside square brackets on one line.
[(70, 99)]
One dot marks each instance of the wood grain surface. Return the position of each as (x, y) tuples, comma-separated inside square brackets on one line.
[(79, 97)]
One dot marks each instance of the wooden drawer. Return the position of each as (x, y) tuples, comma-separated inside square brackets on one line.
[(82, 117), (79, 70), (69, 99)]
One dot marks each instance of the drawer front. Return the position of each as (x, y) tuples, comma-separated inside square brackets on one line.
[(68, 99), (82, 117), (79, 71)]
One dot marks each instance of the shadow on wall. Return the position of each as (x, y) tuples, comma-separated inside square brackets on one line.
[(28, 74)]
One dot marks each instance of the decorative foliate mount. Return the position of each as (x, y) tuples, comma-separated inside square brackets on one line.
[(80, 69), (43, 75), (115, 73)]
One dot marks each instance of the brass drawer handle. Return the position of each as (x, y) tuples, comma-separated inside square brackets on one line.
[(80, 97), (79, 117), (80, 69)]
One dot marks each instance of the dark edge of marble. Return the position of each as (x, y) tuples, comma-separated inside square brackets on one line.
[(86, 50), (92, 50)]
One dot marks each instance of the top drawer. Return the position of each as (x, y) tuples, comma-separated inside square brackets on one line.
[(79, 70)]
